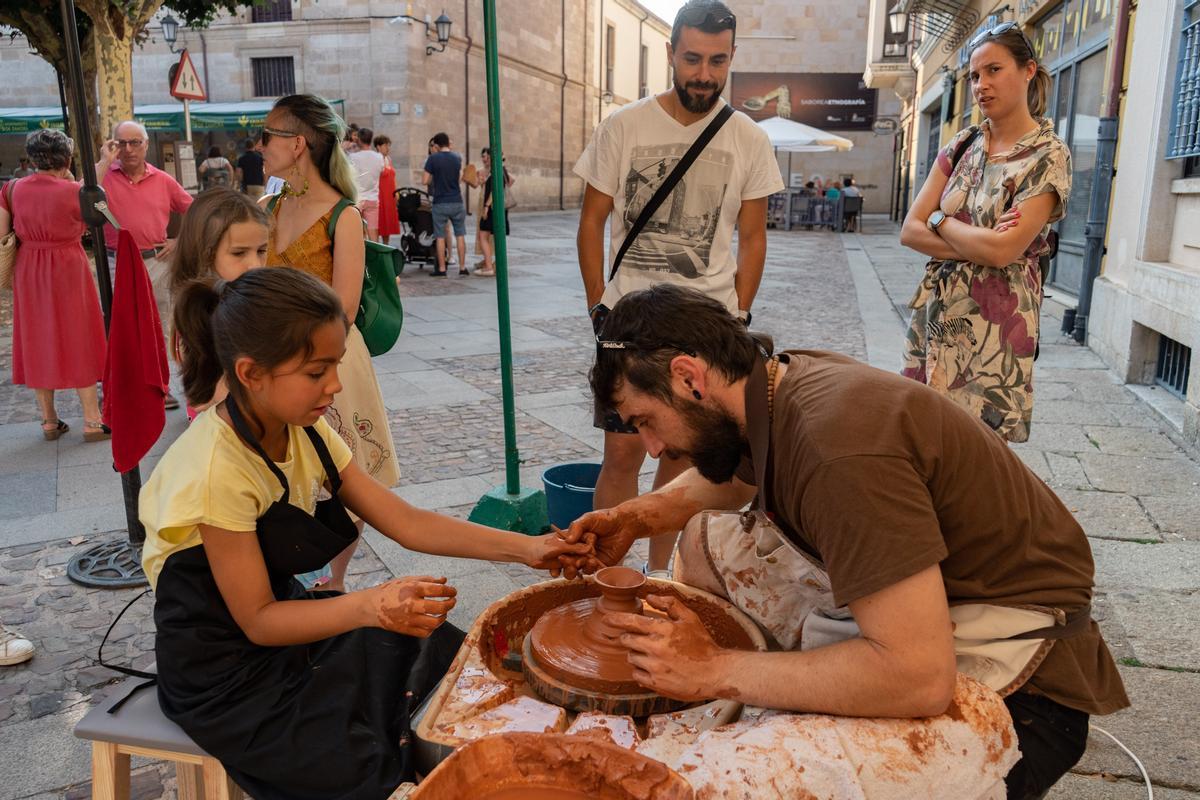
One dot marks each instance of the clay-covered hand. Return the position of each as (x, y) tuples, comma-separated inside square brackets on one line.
[(675, 657), (612, 531), (414, 606), (549, 551), (1008, 219)]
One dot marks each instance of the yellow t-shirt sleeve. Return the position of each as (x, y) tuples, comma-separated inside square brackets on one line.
[(339, 451)]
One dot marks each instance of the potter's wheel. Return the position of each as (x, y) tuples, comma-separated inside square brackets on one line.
[(572, 656)]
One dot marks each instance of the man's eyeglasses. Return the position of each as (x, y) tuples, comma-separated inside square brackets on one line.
[(705, 18), (999, 30), (267, 133), (645, 347), (132, 144)]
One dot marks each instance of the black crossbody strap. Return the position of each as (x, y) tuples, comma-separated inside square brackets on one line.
[(668, 184), (962, 148)]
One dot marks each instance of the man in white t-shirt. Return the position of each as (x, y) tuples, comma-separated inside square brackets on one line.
[(368, 163), (689, 239)]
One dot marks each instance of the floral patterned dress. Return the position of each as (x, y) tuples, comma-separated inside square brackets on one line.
[(974, 328)]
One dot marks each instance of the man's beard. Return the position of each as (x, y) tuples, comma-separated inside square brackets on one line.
[(699, 105), (717, 444)]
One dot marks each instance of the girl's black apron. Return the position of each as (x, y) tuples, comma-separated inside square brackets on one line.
[(323, 720)]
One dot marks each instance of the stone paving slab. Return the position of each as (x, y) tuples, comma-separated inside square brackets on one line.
[(1108, 515), (1175, 474), (1177, 517), (1160, 626), (1124, 565), (1097, 787)]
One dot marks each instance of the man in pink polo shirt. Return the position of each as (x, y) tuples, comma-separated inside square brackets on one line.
[(141, 197)]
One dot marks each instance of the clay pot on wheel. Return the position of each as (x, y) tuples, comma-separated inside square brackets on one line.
[(550, 766)]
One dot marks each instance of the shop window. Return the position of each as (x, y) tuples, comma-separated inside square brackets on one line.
[(934, 120), (1185, 107), (273, 76), (643, 72), (610, 56), (271, 11)]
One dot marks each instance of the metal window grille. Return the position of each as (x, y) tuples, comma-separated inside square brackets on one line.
[(1185, 108), (271, 11), (273, 76), (1174, 365)]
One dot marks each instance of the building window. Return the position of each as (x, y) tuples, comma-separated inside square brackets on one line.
[(934, 120), (273, 76), (1185, 108), (271, 11), (610, 56), (1173, 367), (644, 72)]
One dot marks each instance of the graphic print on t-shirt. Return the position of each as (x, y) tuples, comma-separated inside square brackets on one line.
[(678, 237)]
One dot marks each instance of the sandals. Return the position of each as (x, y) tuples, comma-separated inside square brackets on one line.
[(96, 431), (52, 434)]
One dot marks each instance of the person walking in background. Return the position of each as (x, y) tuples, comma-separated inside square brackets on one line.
[(216, 171), (141, 197), (301, 144), (58, 332), (483, 234), (646, 139), (443, 174), (368, 164), (250, 170), (389, 217), (983, 216), (447, 231), (24, 168)]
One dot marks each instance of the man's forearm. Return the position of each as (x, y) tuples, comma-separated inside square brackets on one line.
[(854, 678), (669, 507), (590, 243), (752, 255)]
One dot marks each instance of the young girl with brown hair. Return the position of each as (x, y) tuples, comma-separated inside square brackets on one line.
[(299, 694)]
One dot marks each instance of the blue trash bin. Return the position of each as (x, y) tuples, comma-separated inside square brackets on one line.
[(569, 491)]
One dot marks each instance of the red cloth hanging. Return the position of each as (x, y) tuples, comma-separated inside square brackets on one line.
[(135, 372), (389, 218)]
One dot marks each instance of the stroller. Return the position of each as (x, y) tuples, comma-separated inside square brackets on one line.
[(417, 241)]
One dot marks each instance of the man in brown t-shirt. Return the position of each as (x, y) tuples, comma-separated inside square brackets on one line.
[(912, 506)]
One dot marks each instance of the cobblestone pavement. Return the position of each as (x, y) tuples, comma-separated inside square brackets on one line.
[(1100, 445)]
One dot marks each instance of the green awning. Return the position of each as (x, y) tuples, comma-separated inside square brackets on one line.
[(243, 116)]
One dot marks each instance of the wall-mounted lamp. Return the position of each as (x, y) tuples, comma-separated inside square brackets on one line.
[(606, 98), (170, 31), (439, 28), (898, 20)]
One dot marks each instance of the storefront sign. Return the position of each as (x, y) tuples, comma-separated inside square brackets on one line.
[(884, 126), (830, 101)]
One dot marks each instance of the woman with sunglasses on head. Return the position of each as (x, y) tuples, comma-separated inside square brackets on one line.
[(301, 143), (983, 216)]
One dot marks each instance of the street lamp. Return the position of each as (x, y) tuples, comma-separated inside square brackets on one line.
[(170, 31), (440, 28), (898, 20)]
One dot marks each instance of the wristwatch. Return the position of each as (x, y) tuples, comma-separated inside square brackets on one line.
[(935, 220), (744, 317)]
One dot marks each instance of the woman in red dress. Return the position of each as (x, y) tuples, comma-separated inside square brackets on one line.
[(389, 217), (58, 333)]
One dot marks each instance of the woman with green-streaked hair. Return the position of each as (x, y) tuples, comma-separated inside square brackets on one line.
[(301, 143)]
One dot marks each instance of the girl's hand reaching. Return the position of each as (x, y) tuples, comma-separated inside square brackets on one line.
[(414, 606), (544, 552)]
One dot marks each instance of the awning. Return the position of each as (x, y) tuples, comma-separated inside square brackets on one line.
[(245, 115), (790, 136)]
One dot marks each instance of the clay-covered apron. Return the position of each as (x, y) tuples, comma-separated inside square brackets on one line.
[(324, 720), (1000, 646)]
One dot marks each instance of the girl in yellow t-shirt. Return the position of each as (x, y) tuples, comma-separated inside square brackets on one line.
[(299, 694)]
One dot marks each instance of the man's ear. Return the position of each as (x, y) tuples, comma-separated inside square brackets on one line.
[(688, 375)]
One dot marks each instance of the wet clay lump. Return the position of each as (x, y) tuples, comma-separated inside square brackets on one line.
[(575, 644)]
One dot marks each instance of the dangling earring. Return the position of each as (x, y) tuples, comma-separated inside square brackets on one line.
[(289, 190)]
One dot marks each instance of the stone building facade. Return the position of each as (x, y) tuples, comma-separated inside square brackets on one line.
[(811, 38), (557, 61)]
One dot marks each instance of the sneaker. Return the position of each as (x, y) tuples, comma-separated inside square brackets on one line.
[(486, 272), (14, 648), (170, 403)]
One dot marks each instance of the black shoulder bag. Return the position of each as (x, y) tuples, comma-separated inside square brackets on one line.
[(668, 184)]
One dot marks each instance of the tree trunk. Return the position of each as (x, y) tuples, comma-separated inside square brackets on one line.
[(114, 76)]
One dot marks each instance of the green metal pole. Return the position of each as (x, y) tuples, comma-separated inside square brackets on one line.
[(512, 459)]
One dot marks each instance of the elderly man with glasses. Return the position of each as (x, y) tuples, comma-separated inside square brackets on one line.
[(141, 197)]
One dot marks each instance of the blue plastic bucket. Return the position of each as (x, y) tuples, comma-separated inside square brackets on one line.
[(569, 491)]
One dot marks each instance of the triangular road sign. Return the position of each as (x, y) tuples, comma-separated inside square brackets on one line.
[(186, 85)]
